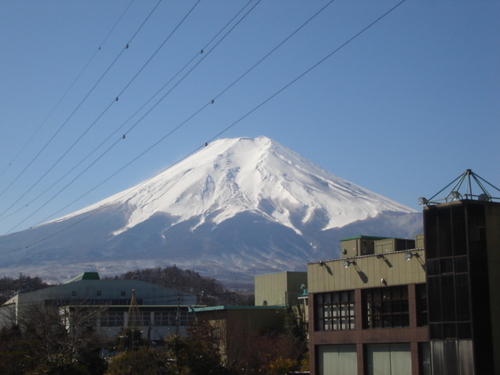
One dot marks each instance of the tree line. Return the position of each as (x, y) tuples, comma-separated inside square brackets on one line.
[(9, 287), (209, 291), (42, 344)]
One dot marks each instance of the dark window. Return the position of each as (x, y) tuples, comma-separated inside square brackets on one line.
[(172, 318), (164, 318), (123, 293), (73, 293), (445, 233), (112, 319), (434, 299), (146, 318), (461, 264), (433, 267), (446, 265), (464, 331), (436, 331), (458, 227), (448, 298), (421, 294), (334, 311), (386, 307), (431, 215), (99, 293), (462, 297)]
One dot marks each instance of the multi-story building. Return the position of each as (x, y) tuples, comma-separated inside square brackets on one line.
[(462, 245), (157, 311), (429, 306), (368, 309)]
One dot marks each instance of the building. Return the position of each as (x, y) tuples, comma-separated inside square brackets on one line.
[(368, 310), (280, 289), (157, 311), (424, 306), (462, 244), (235, 327), (288, 289)]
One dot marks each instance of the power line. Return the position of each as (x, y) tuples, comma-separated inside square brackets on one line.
[(72, 113), (66, 92), (305, 72), (218, 134), (67, 120), (133, 126)]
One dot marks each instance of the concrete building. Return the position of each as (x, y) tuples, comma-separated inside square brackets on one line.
[(390, 307), (368, 311), (280, 289), (236, 326), (162, 310), (287, 289)]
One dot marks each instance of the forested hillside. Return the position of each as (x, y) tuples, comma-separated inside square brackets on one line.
[(10, 287), (208, 290)]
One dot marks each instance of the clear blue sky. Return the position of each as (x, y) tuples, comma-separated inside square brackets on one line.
[(402, 109)]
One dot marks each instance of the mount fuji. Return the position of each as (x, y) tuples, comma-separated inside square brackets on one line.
[(237, 208)]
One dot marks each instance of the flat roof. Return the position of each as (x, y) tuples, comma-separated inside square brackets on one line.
[(360, 236), (367, 255), (219, 308)]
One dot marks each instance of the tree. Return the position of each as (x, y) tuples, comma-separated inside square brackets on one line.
[(143, 361), (17, 354), (23, 284), (198, 353), (130, 338), (209, 290), (43, 342)]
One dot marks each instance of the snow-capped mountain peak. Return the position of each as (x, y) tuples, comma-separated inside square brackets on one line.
[(259, 175), (236, 208)]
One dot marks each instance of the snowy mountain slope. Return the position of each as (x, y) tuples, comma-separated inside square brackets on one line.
[(236, 208), (258, 175)]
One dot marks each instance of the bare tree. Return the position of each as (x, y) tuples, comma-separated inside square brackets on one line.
[(65, 337)]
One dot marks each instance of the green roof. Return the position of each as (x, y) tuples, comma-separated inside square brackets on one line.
[(85, 276)]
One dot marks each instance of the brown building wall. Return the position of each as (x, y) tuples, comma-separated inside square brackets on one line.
[(360, 337), (364, 273)]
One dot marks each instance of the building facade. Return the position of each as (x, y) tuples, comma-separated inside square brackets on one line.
[(368, 309), (157, 311), (462, 244)]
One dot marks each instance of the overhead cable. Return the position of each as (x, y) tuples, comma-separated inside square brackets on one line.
[(66, 92), (218, 134), (3, 216), (67, 120)]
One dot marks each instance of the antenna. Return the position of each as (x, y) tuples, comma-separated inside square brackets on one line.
[(465, 180)]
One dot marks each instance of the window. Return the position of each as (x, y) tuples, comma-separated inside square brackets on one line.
[(337, 359), (171, 318), (164, 318), (421, 295), (123, 293), (146, 318), (73, 293), (334, 311), (386, 307), (112, 319), (388, 359), (99, 293)]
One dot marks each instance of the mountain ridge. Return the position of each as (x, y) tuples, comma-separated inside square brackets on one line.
[(204, 178), (235, 208)]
